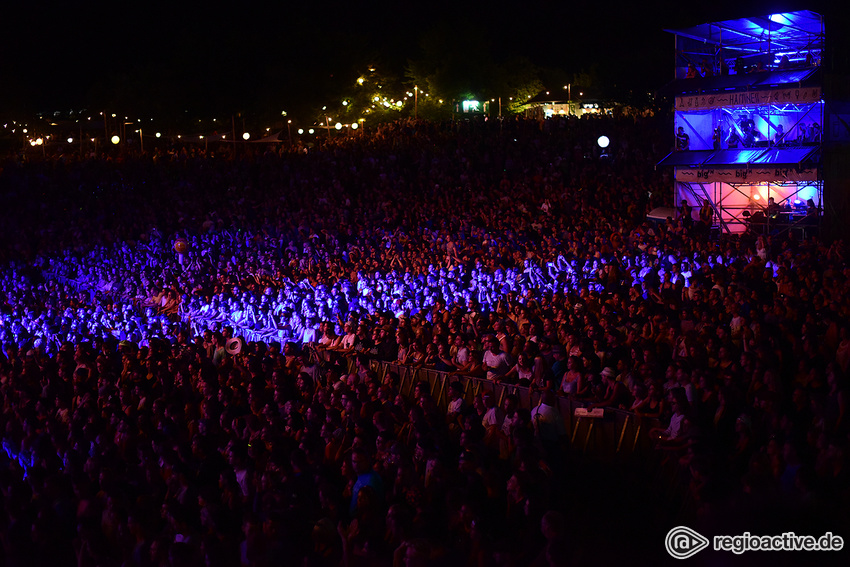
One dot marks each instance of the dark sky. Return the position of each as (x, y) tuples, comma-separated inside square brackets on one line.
[(156, 55)]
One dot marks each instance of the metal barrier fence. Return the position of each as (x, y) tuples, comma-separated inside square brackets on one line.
[(616, 432)]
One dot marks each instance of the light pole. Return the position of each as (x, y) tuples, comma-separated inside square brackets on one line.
[(415, 102), (289, 129)]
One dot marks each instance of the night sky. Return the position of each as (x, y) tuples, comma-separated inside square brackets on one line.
[(155, 57)]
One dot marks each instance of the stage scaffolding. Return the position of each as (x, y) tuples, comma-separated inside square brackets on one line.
[(749, 120)]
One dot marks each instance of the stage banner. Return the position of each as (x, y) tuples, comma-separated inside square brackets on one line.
[(752, 98), (743, 175)]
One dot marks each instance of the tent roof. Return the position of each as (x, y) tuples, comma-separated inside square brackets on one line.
[(792, 31)]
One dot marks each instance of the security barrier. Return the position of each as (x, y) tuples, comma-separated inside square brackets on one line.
[(618, 432)]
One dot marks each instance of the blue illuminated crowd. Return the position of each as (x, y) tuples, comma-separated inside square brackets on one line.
[(137, 432)]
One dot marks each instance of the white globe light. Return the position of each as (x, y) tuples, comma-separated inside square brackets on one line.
[(310, 131), (354, 126), (301, 130), (399, 103), (116, 140), (338, 126), (38, 141), (158, 135), (70, 140), (246, 135), (603, 141)]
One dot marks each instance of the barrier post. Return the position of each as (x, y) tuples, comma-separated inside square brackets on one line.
[(623, 432), (414, 371), (587, 437), (637, 434), (575, 430), (442, 388), (402, 376)]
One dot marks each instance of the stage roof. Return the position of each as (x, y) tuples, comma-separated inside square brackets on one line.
[(786, 31), (739, 157)]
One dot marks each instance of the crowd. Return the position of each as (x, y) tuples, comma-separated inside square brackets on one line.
[(134, 434)]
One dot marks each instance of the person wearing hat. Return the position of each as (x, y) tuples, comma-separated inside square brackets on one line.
[(616, 393)]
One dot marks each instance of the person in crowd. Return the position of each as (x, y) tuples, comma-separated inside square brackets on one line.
[(683, 140)]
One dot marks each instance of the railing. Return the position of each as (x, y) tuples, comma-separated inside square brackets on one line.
[(616, 432)]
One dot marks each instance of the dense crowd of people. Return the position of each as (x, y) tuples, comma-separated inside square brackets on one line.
[(136, 431)]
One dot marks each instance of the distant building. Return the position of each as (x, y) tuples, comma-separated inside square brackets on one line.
[(561, 103)]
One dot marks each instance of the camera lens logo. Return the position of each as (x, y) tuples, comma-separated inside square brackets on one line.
[(682, 542)]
